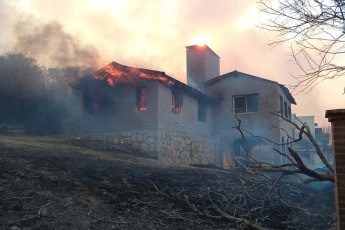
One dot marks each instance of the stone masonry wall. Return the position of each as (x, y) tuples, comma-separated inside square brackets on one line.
[(168, 146)]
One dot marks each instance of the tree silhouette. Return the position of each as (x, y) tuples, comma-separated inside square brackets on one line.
[(315, 31)]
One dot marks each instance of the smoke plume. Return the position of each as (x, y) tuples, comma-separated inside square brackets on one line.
[(51, 44), (153, 34)]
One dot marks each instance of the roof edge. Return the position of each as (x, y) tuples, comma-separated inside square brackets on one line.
[(237, 73), (204, 45)]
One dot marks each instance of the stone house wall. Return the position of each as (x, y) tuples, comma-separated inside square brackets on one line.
[(263, 123), (187, 121), (122, 113), (124, 116), (165, 145), (156, 132)]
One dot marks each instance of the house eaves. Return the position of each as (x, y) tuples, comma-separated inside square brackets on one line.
[(240, 74), (122, 74)]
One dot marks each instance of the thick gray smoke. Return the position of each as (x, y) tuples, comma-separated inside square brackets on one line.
[(50, 44)]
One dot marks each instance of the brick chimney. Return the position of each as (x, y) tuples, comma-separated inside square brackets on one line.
[(337, 119), (202, 65)]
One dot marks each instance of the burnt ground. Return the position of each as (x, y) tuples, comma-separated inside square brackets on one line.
[(56, 183)]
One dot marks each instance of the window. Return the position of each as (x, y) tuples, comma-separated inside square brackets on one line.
[(281, 103), (246, 103), (201, 112), (177, 103), (283, 145), (284, 108), (92, 104), (141, 98)]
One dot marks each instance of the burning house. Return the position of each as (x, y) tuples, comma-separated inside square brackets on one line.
[(188, 124)]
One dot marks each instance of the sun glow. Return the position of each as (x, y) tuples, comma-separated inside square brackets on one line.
[(202, 40), (249, 19)]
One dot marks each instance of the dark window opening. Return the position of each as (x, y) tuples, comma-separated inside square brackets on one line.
[(141, 98), (285, 110), (281, 103), (289, 112), (240, 104), (252, 103), (92, 104), (247, 103), (283, 145), (177, 103), (201, 112)]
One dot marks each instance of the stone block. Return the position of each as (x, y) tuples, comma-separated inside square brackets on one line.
[(133, 137), (140, 137), (151, 148), (149, 140), (145, 147)]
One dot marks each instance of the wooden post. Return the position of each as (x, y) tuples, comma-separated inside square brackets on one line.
[(337, 119)]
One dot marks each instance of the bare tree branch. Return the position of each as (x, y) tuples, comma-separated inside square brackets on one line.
[(315, 30)]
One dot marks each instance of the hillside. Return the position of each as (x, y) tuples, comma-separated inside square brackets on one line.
[(58, 183)]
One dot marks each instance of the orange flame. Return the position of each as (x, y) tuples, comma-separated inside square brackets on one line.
[(115, 73)]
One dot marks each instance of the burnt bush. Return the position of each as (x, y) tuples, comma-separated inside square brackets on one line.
[(32, 100)]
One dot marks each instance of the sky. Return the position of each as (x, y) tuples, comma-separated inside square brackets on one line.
[(153, 34)]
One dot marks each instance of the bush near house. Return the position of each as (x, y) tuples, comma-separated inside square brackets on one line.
[(32, 100)]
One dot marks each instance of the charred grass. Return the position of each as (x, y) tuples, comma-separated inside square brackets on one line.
[(51, 182)]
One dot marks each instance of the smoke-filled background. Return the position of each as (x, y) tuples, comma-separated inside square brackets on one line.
[(153, 34)]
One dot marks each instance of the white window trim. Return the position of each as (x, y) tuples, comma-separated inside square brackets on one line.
[(245, 95)]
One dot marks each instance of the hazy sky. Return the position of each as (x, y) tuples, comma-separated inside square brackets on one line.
[(153, 34)]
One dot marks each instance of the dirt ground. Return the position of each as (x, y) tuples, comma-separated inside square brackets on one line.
[(56, 183)]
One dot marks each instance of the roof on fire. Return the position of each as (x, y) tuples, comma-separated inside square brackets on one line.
[(238, 74), (118, 73)]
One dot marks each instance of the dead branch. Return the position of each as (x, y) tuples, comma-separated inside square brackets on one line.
[(233, 218), (238, 127), (269, 192), (315, 32), (296, 162), (307, 171), (159, 191)]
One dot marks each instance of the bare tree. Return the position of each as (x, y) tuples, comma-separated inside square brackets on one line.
[(295, 164), (315, 31), (263, 187)]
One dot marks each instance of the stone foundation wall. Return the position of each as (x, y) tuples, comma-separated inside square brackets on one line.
[(169, 146)]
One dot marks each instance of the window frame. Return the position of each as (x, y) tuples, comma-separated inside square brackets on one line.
[(286, 110), (92, 103), (139, 98), (246, 103), (281, 104), (179, 96), (202, 111)]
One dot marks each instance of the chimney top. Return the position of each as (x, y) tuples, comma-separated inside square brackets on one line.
[(202, 65), (200, 47)]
